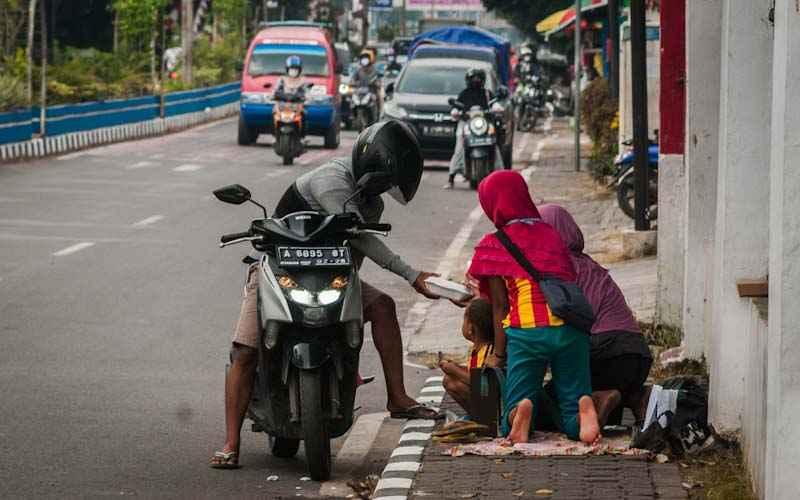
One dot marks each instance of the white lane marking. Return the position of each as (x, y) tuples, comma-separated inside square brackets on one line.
[(354, 450), (140, 164), (402, 467), (429, 399), (434, 379), (148, 221), (189, 167), (74, 248), (432, 389), (393, 497)]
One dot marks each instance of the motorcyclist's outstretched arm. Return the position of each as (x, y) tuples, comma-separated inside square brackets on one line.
[(331, 193)]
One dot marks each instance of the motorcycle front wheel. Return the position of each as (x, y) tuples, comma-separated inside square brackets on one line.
[(283, 447), (285, 148), (479, 172), (626, 193), (316, 438)]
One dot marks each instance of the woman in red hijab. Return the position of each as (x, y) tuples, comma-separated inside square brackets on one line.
[(526, 331)]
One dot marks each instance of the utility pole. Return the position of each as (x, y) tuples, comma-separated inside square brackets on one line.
[(639, 91), (187, 32), (613, 36), (577, 96), (403, 19), (29, 49), (43, 90)]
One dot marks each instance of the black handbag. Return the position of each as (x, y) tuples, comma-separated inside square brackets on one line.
[(566, 299)]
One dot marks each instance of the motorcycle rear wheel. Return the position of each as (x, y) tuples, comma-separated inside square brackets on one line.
[(283, 447), (316, 437)]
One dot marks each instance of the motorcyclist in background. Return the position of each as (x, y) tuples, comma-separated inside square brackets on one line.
[(368, 76), (476, 94), (528, 65), (387, 149), (293, 83)]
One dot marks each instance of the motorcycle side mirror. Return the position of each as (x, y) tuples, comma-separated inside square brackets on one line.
[(235, 194), (502, 92), (390, 88)]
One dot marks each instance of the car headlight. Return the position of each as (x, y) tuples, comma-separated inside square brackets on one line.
[(254, 97), (394, 110), (344, 89), (479, 125)]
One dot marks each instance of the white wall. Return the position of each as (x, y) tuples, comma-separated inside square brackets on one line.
[(742, 235), (671, 232), (754, 409), (783, 368), (703, 39)]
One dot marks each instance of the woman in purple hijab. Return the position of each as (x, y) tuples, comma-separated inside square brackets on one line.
[(620, 358)]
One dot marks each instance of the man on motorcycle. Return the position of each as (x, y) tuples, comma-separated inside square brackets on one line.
[(476, 94), (293, 82), (367, 76), (528, 64), (386, 148)]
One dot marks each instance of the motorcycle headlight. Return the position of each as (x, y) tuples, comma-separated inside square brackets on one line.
[(393, 110), (287, 116), (254, 97), (479, 125), (344, 89), (301, 296), (329, 296)]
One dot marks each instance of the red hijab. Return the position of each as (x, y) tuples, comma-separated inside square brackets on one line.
[(505, 198)]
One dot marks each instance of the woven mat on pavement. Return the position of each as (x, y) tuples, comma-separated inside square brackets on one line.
[(548, 444)]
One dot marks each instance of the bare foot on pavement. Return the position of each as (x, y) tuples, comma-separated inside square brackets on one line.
[(521, 422), (587, 419)]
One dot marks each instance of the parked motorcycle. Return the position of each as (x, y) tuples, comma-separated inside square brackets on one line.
[(364, 105), (310, 315), (288, 123), (480, 141), (624, 179)]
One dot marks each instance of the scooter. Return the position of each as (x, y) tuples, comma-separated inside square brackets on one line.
[(480, 141), (310, 316), (288, 123), (624, 180), (364, 105)]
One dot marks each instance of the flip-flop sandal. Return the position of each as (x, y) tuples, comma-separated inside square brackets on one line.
[(222, 460), (417, 412)]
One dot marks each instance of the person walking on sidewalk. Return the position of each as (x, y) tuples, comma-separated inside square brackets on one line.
[(526, 331), (477, 328), (620, 357), (379, 150)]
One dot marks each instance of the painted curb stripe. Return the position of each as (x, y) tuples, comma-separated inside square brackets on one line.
[(406, 459)]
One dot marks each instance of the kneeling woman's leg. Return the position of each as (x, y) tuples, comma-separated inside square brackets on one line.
[(573, 384), (527, 361)]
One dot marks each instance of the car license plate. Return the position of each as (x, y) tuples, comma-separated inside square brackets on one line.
[(439, 130), (313, 256)]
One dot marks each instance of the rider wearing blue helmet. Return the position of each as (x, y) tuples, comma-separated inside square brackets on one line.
[(293, 81)]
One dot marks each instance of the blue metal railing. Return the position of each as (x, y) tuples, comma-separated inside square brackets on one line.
[(17, 126)]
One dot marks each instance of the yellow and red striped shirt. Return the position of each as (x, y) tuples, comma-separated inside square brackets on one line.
[(478, 355), (527, 306)]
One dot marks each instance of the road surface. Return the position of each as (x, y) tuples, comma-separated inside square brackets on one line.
[(116, 310)]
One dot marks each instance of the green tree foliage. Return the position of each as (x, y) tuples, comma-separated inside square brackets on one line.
[(137, 18), (599, 117), (524, 14)]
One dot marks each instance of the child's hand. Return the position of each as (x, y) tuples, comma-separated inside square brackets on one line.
[(493, 361)]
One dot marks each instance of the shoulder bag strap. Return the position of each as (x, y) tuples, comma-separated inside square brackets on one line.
[(518, 256)]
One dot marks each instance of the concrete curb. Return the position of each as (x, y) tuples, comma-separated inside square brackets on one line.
[(65, 143), (406, 459)]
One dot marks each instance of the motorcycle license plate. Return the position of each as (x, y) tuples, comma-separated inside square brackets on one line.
[(313, 256), (438, 130), (481, 141)]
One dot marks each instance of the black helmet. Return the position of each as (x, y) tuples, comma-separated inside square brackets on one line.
[(475, 78), (390, 150), (294, 62)]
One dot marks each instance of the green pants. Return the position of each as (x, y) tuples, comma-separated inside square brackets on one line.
[(530, 351)]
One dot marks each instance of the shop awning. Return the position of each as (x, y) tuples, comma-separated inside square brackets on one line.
[(559, 20)]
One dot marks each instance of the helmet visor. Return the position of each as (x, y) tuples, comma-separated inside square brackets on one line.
[(408, 174)]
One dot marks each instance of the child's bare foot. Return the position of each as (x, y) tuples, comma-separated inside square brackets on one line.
[(521, 422), (587, 419), (605, 402)]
